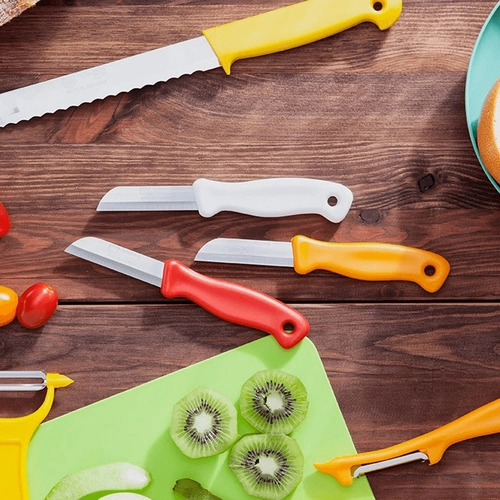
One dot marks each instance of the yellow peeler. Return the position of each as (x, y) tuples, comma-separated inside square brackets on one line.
[(16, 433), (430, 446)]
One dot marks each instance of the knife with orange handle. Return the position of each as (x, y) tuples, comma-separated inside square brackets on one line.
[(370, 261), (431, 446)]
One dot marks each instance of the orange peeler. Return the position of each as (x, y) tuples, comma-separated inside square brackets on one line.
[(16, 433), (430, 446)]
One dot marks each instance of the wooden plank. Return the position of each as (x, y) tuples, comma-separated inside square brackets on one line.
[(397, 371), (34, 251), (381, 112)]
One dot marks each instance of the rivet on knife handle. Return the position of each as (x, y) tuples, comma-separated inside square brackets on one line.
[(371, 261), (479, 422), (235, 303), (296, 25)]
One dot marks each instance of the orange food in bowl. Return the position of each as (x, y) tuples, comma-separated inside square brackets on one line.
[(488, 132)]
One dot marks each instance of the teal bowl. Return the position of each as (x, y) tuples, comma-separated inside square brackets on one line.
[(484, 70)]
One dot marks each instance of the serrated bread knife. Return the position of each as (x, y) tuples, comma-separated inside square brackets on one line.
[(370, 261), (226, 300), (266, 33), (430, 447), (262, 198)]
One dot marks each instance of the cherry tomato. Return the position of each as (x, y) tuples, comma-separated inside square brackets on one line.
[(8, 305), (4, 221), (36, 305)]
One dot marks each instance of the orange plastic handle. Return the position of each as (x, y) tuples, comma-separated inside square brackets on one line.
[(371, 261), (479, 422), (235, 303)]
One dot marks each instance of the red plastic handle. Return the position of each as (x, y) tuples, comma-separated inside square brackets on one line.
[(235, 303)]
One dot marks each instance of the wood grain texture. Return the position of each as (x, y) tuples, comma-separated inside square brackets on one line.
[(381, 112), (397, 370)]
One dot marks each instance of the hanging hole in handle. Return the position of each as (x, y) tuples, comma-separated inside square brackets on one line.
[(430, 270), (378, 6), (332, 201), (288, 328)]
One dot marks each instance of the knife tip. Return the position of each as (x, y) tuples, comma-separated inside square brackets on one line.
[(83, 242)]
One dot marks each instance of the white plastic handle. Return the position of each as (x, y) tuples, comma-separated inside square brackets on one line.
[(274, 197)]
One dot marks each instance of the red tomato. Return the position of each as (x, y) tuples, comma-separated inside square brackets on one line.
[(4, 221), (8, 305), (36, 305)]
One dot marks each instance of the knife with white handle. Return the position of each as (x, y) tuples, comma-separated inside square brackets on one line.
[(261, 198), (266, 33)]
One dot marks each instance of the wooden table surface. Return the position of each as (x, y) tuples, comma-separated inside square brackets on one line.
[(381, 112)]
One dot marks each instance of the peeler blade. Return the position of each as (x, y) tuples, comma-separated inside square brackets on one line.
[(392, 462), (14, 381)]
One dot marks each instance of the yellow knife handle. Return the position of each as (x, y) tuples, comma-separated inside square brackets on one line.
[(296, 25), (479, 422), (371, 261)]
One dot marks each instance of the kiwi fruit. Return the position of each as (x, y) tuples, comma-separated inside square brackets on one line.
[(268, 466), (274, 401), (204, 423)]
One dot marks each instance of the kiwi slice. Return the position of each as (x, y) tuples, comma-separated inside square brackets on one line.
[(274, 401), (268, 466), (204, 423)]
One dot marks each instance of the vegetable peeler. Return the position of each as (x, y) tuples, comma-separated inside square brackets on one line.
[(430, 446), (16, 433)]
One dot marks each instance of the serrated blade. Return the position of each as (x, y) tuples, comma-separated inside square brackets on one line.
[(119, 259), (241, 251), (148, 198), (112, 78)]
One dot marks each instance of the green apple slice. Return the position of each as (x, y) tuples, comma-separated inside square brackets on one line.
[(124, 496), (109, 477)]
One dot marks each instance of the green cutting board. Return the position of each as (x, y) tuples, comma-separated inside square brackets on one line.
[(133, 426)]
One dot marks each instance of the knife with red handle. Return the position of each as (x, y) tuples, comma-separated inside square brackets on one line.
[(229, 301)]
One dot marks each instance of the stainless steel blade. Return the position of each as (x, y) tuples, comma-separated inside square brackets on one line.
[(240, 251), (17, 381), (148, 198), (392, 462), (108, 79), (119, 259)]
